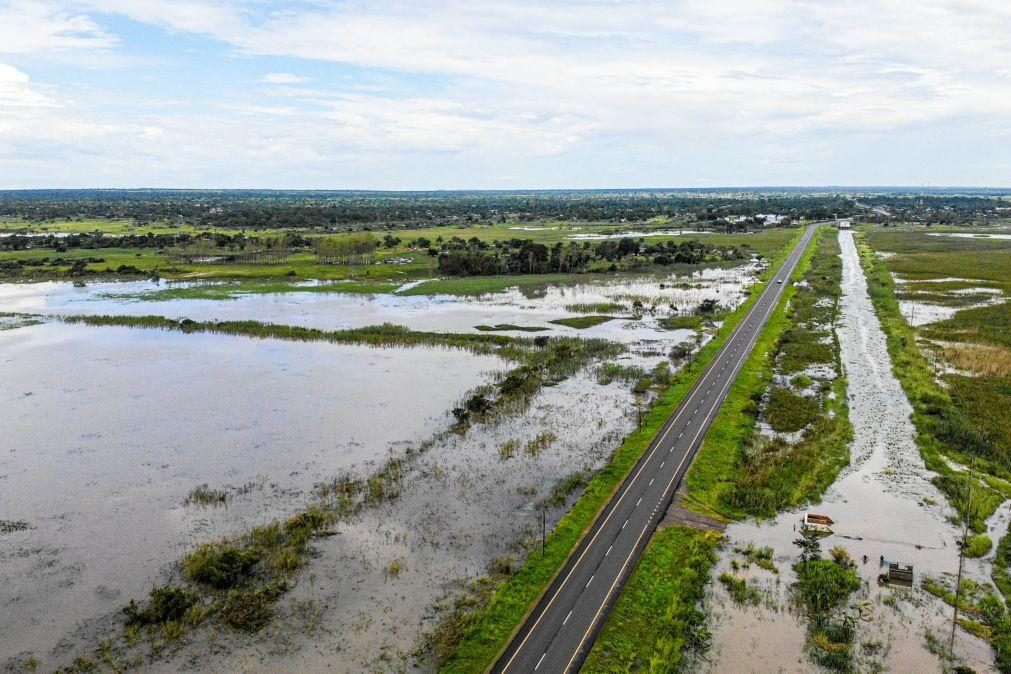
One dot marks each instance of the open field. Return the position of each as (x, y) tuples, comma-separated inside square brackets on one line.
[(411, 264)]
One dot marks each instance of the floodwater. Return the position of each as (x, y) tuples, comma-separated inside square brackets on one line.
[(883, 505), (439, 313), (462, 507), (106, 431), (972, 235)]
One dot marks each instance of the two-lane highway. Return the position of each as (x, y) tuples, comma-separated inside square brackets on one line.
[(561, 629)]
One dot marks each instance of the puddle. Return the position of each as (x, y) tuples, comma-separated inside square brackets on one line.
[(106, 431), (883, 504)]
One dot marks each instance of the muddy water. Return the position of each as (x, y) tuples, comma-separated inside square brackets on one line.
[(462, 507), (106, 430), (439, 313), (883, 505)]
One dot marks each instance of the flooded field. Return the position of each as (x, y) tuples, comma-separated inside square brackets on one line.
[(657, 297), (107, 430), (884, 506), (135, 420)]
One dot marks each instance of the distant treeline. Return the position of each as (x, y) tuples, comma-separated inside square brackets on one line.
[(522, 256), (245, 209)]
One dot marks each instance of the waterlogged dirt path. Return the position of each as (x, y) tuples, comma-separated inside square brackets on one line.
[(883, 504)]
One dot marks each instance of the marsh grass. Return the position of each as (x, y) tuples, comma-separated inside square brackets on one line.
[(979, 359), (205, 496), (583, 322), (788, 412), (595, 308), (740, 590)]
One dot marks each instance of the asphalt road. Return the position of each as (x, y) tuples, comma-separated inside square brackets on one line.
[(559, 633)]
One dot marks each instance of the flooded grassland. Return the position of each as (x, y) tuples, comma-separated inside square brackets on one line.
[(885, 506), (128, 447)]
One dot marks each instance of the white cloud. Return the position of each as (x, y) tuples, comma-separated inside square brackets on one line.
[(518, 82), (31, 27), (283, 78)]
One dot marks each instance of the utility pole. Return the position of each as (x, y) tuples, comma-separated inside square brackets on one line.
[(961, 555)]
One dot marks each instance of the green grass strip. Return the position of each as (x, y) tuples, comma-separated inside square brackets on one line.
[(487, 631), (655, 620)]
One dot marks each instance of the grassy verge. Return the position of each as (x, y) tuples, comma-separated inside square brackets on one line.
[(481, 630), (737, 473), (655, 622)]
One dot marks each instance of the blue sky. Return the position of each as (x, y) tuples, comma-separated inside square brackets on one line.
[(504, 94)]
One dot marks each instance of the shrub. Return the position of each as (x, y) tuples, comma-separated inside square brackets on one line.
[(165, 604), (822, 584)]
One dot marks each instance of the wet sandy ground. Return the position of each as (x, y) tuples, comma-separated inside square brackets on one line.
[(883, 504)]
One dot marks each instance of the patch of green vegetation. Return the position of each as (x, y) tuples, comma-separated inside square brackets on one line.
[(655, 624), (502, 327), (204, 495), (760, 557), (583, 322), (1001, 571), (983, 325), (164, 604), (609, 372), (479, 633), (801, 381), (220, 565), (739, 590), (595, 308), (824, 584), (977, 545), (788, 412)]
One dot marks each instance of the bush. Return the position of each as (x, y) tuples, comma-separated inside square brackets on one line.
[(822, 584), (166, 603)]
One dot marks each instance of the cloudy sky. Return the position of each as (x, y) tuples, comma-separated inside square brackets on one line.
[(446, 94)]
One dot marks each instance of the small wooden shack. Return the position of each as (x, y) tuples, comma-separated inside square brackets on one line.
[(900, 574)]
